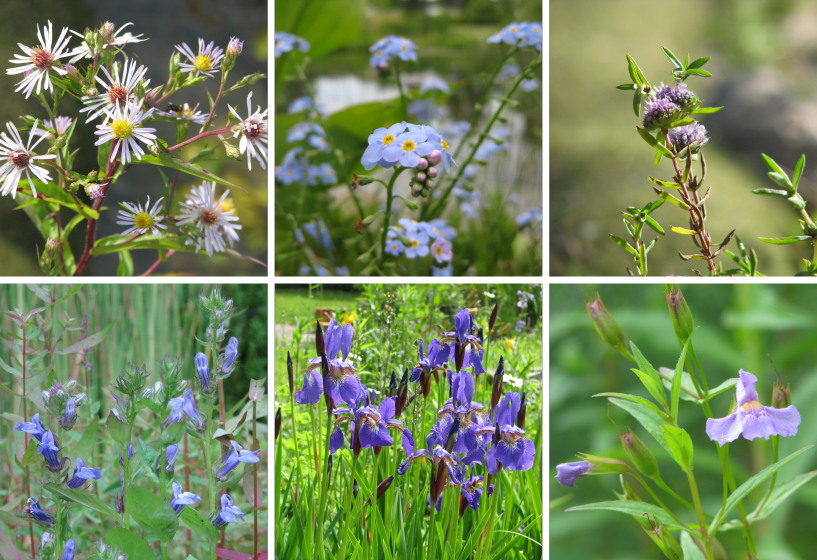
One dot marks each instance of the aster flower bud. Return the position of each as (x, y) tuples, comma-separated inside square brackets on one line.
[(781, 398), (607, 327), (234, 49), (73, 73), (106, 31), (639, 454), (252, 79), (51, 247), (90, 91), (93, 190), (679, 312)]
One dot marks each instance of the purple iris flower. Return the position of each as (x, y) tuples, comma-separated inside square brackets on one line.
[(567, 473), (752, 419), (235, 455), (436, 357), (513, 450), (472, 492), (342, 383), (467, 351), (227, 513), (35, 427), (407, 149), (37, 514), (68, 551), (181, 499), (368, 429), (483, 433), (403, 467), (379, 140), (82, 474), (203, 369), (49, 450), (387, 410), (452, 462), (462, 387), (230, 353)]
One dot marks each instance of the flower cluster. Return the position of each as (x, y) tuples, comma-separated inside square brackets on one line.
[(390, 47), (531, 216), (691, 136), (285, 42), (410, 145), (525, 34), (412, 239), (658, 112)]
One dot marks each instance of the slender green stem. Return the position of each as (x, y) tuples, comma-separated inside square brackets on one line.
[(324, 491), (295, 439), (432, 549), (775, 450), (659, 502), (347, 514), (163, 490), (215, 103), (492, 520), (205, 444), (389, 198), (126, 460), (58, 528), (663, 485), (255, 482), (700, 513)]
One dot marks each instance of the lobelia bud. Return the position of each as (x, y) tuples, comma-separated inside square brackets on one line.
[(781, 398), (290, 374), (607, 327), (203, 370), (680, 314), (640, 454)]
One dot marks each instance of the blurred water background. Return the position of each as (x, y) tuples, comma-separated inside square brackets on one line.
[(738, 326), (165, 23), (764, 62)]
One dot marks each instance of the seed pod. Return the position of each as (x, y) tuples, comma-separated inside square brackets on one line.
[(639, 454), (781, 398)]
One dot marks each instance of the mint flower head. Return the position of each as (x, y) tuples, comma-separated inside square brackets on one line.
[(692, 136), (659, 112), (751, 418), (678, 94)]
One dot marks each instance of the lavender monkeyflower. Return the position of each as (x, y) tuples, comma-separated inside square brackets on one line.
[(235, 455), (35, 427), (82, 474), (38, 515), (750, 418), (227, 513), (181, 498), (659, 112), (49, 450), (203, 369), (691, 136), (567, 473)]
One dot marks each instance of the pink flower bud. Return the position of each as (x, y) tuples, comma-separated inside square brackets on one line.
[(430, 184), (421, 176), (423, 164), (432, 172), (435, 157)]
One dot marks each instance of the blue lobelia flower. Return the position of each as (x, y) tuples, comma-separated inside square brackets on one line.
[(227, 513), (203, 369), (230, 353), (119, 499), (407, 149), (235, 455), (68, 551), (750, 418), (170, 458), (35, 427), (69, 415), (82, 474), (186, 405), (49, 450), (38, 515), (567, 473), (181, 498), (379, 140), (513, 450)]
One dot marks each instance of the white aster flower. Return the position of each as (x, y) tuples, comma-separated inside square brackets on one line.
[(62, 125), (116, 91), (207, 61), (124, 132), (253, 132), (39, 60), (19, 158), (114, 41), (141, 219), (184, 113), (212, 217)]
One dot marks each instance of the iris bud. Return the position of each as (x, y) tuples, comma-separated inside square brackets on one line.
[(290, 374)]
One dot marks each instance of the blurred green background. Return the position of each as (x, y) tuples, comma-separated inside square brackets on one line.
[(738, 326), (165, 24), (764, 57), (451, 37)]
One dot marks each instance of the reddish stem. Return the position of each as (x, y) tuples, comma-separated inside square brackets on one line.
[(198, 137), (159, 261)]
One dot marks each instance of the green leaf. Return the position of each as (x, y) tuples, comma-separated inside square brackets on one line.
[(631, 70), (676, 380), (117, 429), (697, 72), (186, 167), (134, 546), (86, 442), (627, 87), (639, 73), (641, 400), (103, 153), (782, 491), (83, 497), (152, 514), (637, 102), (798, 171), (680, 446), (725, 386), (744, 489), (327, 24), (771, 192), (690, 549), (651, 422), (781, 180), (683, 231), (654, 225), (125, 267), (113, 244), (636, 509), (655, 388), (204, 154), (648, 138), (89, 342), (671, 57), (70, 293), (772, 165), (624, 244), (681, 122), (30, 456), (698, 63), (197, 523), (705, 110), (173, 434), (149, 457), (664, 184), (784, 240)]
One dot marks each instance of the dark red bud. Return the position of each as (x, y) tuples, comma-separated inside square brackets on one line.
[(319, 345), (459, 355), (356, 443), (393, 384), (496, 393), (492, 320), (463, 504), (479, 335), (523, 407), (290, 374), (277, 423), (329, 472), (383, 486)]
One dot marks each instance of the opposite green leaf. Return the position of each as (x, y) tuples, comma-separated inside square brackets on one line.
[(152, 514)]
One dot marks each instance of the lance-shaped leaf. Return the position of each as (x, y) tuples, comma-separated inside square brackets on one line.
[(84, 498), (798, 171), (771, 192), (680, 446), (664, 184), (89, 342), (784, 240), (186, 167), (624, 244), (705, 110), (636, 509), (671, 57)]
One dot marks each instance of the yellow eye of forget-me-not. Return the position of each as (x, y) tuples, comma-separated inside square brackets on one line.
[(409, 145)]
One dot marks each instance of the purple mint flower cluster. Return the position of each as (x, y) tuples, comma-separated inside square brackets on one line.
[(658, 112), (525, 34), (692, 136), (390, 47), (678, 94), (285, 42)]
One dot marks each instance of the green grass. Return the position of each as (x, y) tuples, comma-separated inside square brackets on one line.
[(301, 303)]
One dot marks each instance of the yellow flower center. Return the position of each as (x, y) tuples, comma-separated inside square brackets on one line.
[(404, 48), (122, 129), (753, 407), (409, 146), (143, 220), (513, 29), (535, 29), (202, 63), (388, 139), (379, 53), (445, 145), (415, 243), (438, 250), (393, 246)]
